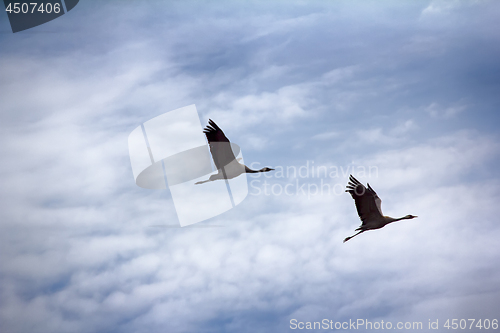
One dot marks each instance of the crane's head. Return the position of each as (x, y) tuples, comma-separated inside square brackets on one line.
[(266, 169), (409, 217)]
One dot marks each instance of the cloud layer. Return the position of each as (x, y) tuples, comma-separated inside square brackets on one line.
[(410, 89)]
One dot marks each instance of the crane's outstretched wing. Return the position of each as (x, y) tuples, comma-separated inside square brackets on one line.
[(367, 201), (220, 147)]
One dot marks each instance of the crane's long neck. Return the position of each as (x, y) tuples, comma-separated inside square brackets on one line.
[(389, 219), (248, 170)]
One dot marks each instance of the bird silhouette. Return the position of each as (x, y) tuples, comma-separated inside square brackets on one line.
[(227, 165), (369, 208)]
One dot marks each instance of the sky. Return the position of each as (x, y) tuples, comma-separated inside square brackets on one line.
[(404, 95)]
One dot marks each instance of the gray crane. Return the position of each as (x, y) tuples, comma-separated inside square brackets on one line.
[(369, 208), (225, 161)]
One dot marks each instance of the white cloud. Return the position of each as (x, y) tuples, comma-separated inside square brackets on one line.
[(326, 136), (405, 127), (268, 107), (438, 7), (437, 111)]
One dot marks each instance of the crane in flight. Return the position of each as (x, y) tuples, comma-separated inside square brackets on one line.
[(225, 161), (369, 208)]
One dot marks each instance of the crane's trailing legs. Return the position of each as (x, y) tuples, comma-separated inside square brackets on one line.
[(347, 238)]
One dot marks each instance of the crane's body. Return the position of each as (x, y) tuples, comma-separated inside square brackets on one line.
[(227, 165), (368, 205)]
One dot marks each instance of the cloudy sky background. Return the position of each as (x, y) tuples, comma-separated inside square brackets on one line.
[(411, 88)]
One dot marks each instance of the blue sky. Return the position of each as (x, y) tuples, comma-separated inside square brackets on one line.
[(409, 88)]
